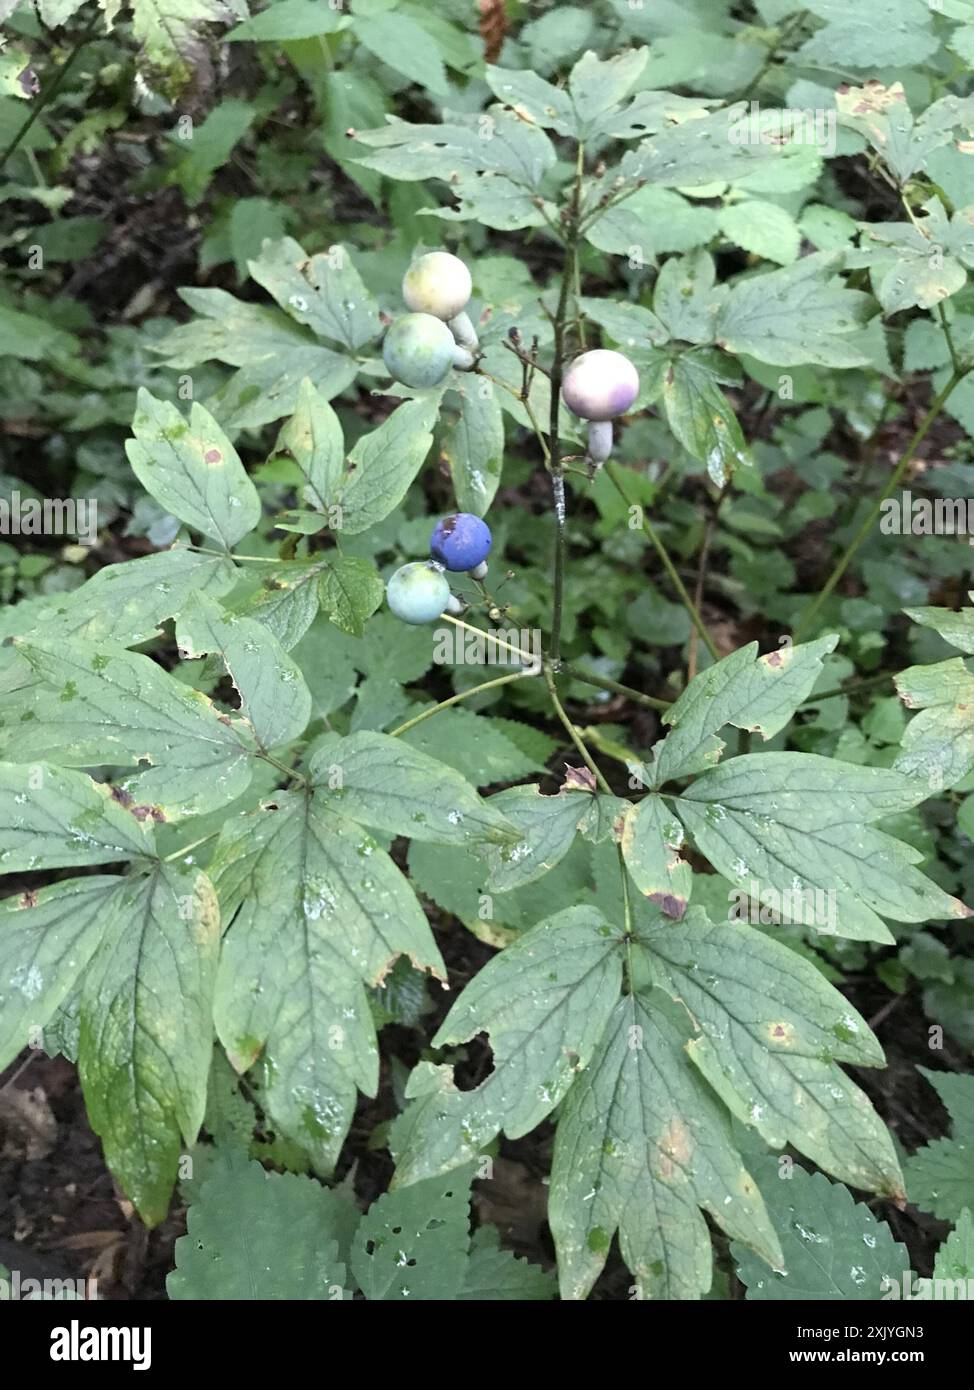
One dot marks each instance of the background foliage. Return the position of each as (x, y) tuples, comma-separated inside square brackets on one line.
[(209, 207)]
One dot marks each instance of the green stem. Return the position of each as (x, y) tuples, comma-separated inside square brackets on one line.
[(575, 257), (50, 92), (617, 688), (876, 510), (954, 358), (231, 555), (861, 479), (455, 699), (668, 565), (563, 667), (557, 374), (528, 658), (535, 425), (708, 537), (283, 767), (781, 38), (573, 734), (528, 407), (626, 901), (188, 849), (853, 689)]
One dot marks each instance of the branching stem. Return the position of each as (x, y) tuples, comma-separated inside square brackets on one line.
[(668, 565), (455, 699), (49, 92), (574, 735)]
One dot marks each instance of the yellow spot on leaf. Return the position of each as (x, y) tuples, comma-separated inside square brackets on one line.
[(781, 1034)]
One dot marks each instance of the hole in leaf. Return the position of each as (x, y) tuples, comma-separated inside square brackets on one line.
[(475, 1062)]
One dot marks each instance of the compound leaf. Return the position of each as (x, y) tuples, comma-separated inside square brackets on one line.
[(383, 782), (756, 693), (146, 1034), (642, 1146), (800, 314), (652, 838), (473, 448), (53, 818), (701, 417), (937, 746), (802, 825), (323, 292), (518, 151), (47, 937), (125, 603), (904, 143), (313, 439), (118, 707), (547, 824), (274, 696), (544, 1001), (886, 33), (350, 589), (316, 911), (769, 1032), (384, 462)]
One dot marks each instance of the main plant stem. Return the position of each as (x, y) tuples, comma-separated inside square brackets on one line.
[(570, 279)]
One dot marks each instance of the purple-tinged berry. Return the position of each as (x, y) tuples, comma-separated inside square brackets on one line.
[(418, 592), (600, 385), (461, 541), (597, 387)]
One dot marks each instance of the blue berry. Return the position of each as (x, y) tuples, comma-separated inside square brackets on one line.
[(461, 541), (418, 592)]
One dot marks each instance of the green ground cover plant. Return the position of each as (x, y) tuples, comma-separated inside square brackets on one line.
[(484, 686)]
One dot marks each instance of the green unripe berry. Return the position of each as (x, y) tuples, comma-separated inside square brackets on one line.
[(419, 350), (418, 592), (438, 284)]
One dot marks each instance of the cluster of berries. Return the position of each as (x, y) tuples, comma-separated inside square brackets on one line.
[(419, 350), (419, 592), (421, 347)]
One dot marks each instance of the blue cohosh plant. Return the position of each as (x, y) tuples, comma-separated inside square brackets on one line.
[(224, 858)]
